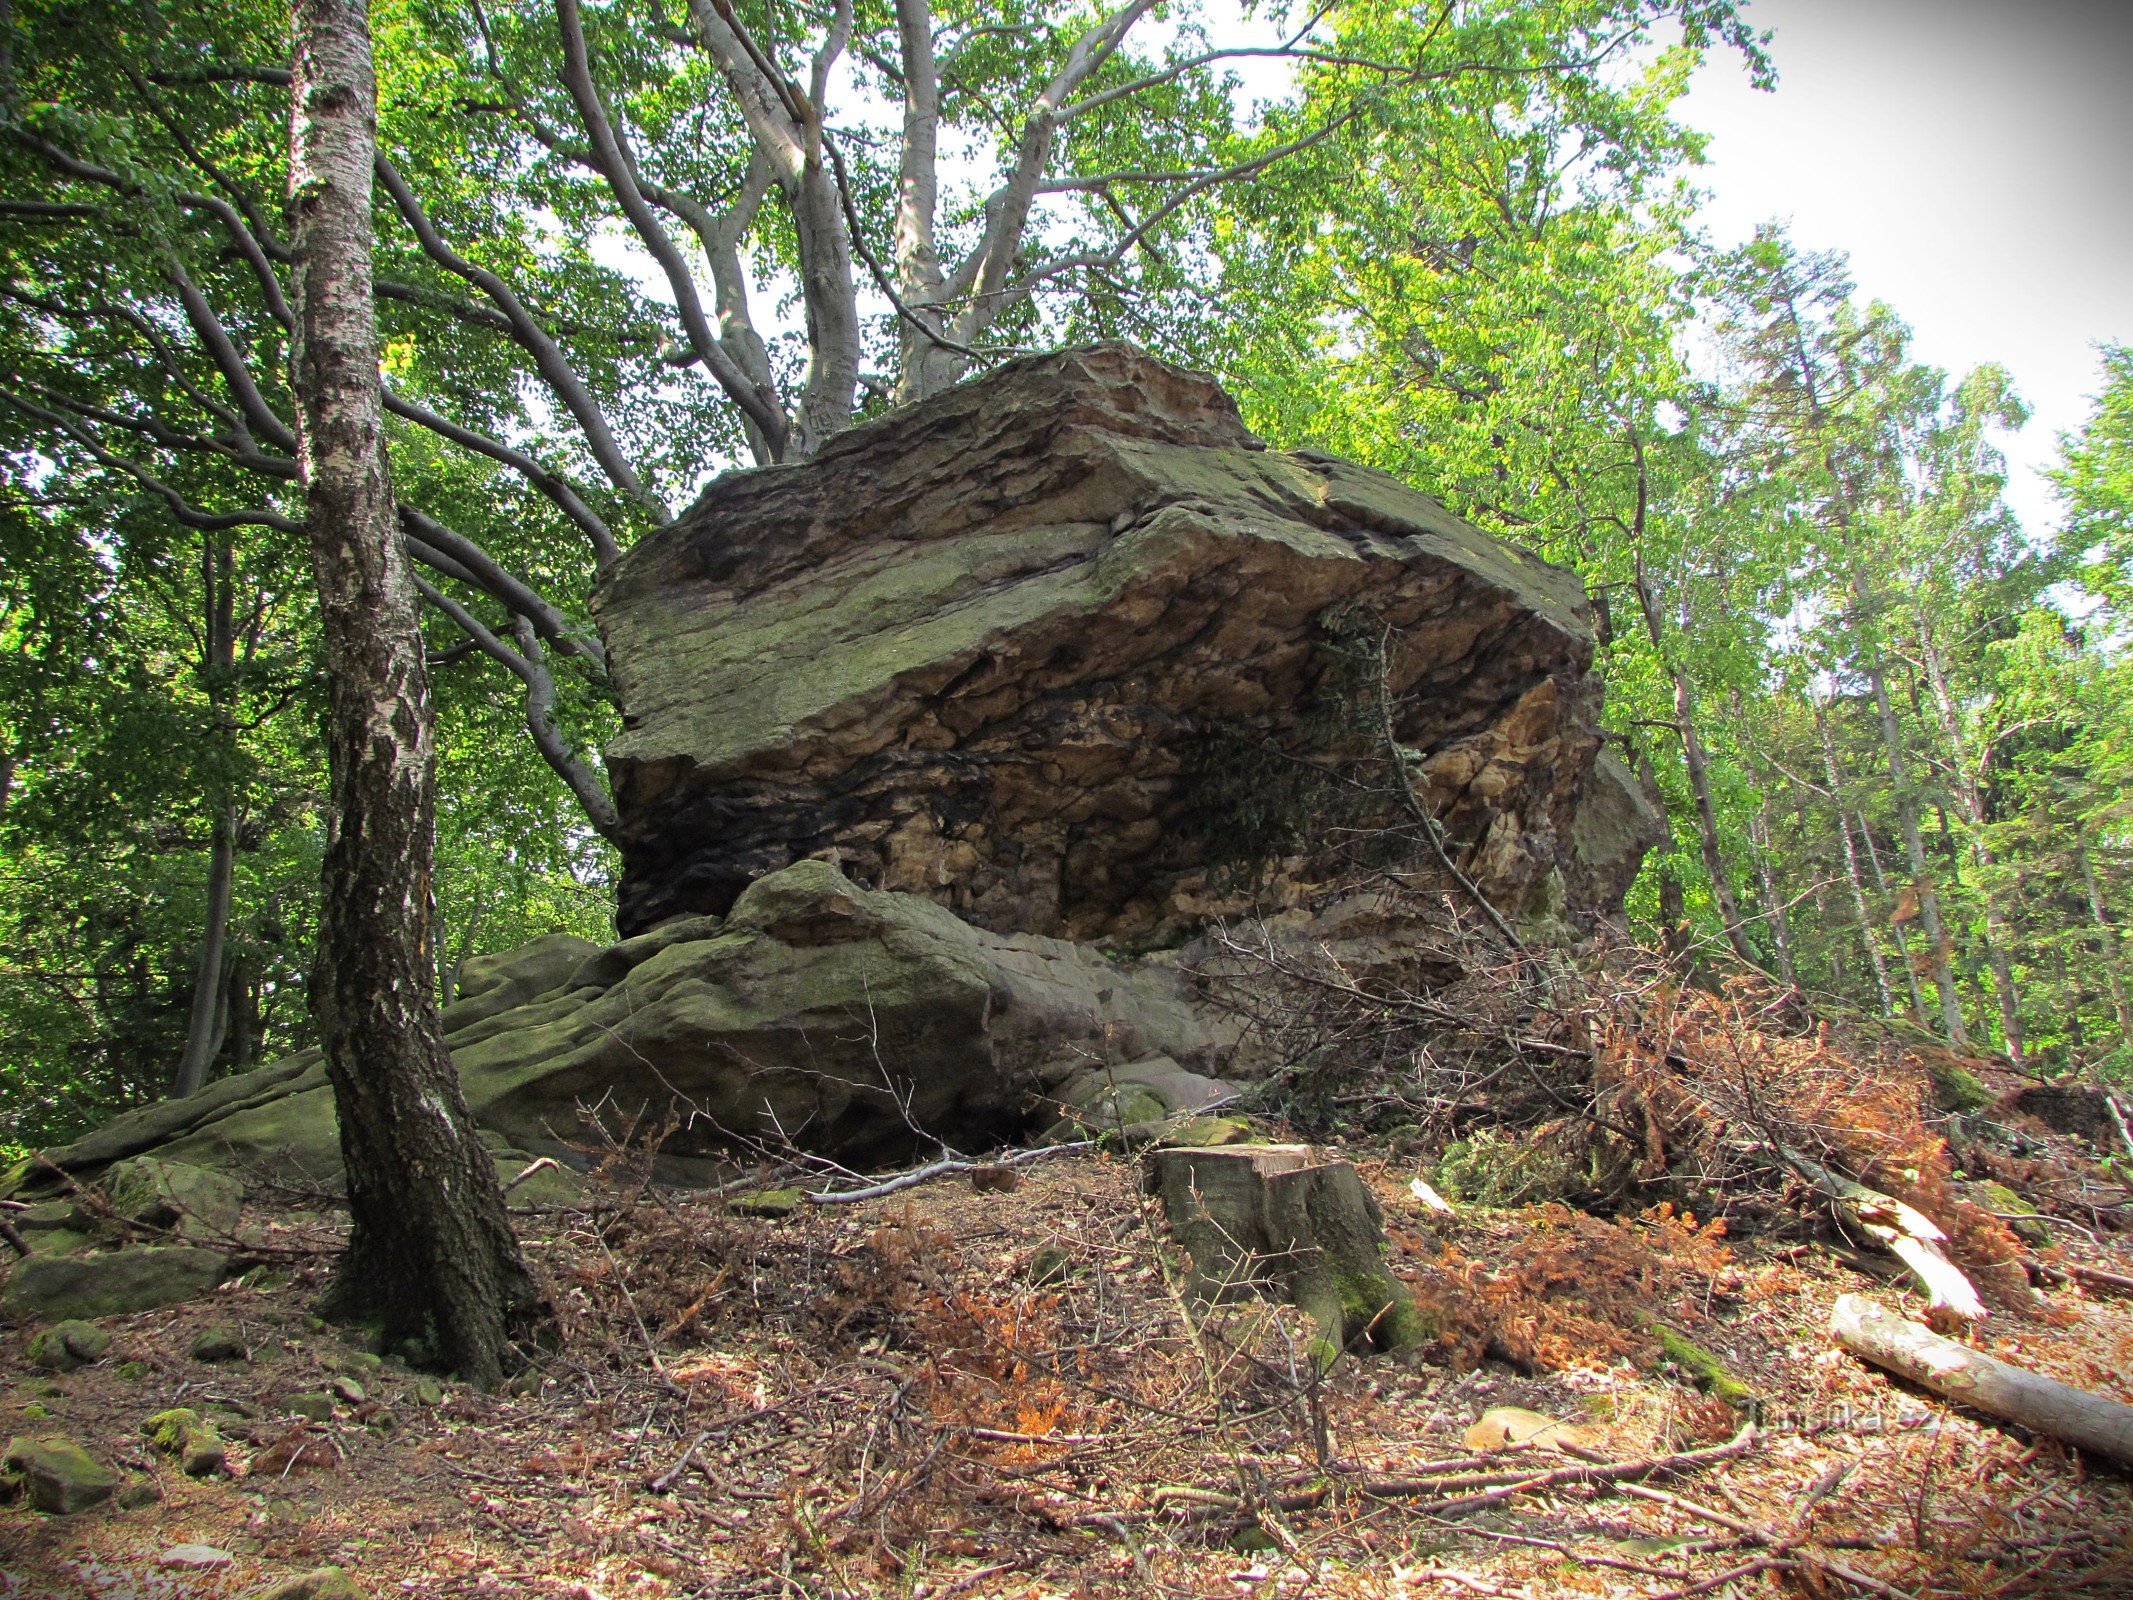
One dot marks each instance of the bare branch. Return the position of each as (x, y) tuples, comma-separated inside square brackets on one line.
[(548, 359), (240, 451), (183, 510), (526, 664), (605, 548), (480, 570), (833, 45), (984, 272), (720, 235), (222, 349), (612, 159)]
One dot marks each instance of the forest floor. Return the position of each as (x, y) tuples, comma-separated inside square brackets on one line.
[(948, 1392)]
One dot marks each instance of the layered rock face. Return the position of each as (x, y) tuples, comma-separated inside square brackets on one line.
[(1037, 649)]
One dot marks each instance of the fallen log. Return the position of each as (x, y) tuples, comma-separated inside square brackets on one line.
[(1970, 1377), (1904, 1231)]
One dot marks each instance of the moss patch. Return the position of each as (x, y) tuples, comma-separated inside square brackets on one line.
[(1707, 1372)]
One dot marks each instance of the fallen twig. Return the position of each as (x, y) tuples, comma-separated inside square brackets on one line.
[(1593, 1472), (940, 1169)]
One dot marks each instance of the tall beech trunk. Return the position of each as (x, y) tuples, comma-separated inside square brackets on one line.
[(1903, 940), (1773, 904), (203, 1025), (218, 659), (431, 1255), (1914, 847)]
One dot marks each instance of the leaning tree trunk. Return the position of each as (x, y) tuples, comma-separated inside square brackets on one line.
[(431, 1255)]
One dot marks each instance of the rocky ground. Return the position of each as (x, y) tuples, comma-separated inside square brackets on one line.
[(990, 1385)]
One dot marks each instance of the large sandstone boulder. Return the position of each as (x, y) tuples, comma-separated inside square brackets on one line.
[(854, 1022), (1071, 652)]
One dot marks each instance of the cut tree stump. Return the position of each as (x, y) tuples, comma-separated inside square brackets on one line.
[(1986, 1383), (1283, 1222)]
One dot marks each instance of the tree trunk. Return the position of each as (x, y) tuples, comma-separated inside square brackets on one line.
[(1851, 867), (2107, 944), (1914, 844), (1773, 904), (431, 1255), (1285, 1222), (203, 1034), (1699, 771), (1903, 942), (1970, 796)]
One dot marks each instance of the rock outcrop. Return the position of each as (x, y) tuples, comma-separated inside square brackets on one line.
[(927, 737), (1041, 649), (859, 1023)]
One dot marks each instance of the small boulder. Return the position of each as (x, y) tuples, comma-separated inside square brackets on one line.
[(216, 1345), (174, 1194), (1515, 1425), (59, 1288), (56, 1228), (327, 1583), (194, 1557), (136, 1493), (311, 1407), (183, 1433), (57, 1474), (67, 1345), (347, 1390), (1048, 1264)]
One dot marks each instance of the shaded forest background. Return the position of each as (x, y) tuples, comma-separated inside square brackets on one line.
[(1892, 724)]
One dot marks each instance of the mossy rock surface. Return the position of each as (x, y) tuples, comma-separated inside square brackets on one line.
[(1956, 1088), (57, 1474), (112, 1284), (185, 1435), (175, 1195), (327, 1583), (817, 1006), (67, 1345), (1707, 1371), (982, 649)]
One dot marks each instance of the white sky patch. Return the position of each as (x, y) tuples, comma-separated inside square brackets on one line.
[(1972, 159)]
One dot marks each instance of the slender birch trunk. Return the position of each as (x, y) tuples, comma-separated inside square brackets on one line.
[(203, 1033), (431, 1255), (205, 1017), (1970, 798), (1914, 845), (1773, 905), (1903, 940), (1851, 867)]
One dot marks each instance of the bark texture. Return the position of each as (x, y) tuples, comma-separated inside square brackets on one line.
[(431, 1254)]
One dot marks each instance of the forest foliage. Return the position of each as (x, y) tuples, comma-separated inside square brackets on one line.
[(626, 244)]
